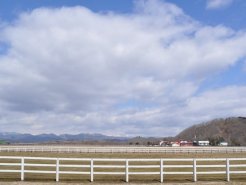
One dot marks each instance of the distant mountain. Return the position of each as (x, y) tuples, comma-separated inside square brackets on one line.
[(13, 137), (231, 130)]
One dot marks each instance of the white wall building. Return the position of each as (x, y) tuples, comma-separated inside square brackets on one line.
[(223, 143), (203, 143)]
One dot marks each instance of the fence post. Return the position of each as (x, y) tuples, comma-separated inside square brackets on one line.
[(57, 169), (127, 170), (92, 171), (22, 168), (194, 171), (228, 170), (161, 170)]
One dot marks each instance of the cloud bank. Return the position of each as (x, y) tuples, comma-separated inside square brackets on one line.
[(71, 70)]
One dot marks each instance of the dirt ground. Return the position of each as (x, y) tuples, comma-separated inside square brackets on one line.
[(98, 183)]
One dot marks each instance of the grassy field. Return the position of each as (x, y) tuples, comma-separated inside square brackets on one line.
[(8, 178)]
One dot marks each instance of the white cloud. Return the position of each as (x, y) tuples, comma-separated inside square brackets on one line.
[(214, 4), (74, 70)]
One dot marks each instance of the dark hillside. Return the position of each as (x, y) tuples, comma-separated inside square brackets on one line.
[(232, 130)]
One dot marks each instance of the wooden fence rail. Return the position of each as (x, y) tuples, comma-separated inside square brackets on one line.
[(126, 167)]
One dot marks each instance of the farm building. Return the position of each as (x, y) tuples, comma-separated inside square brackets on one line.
[(176, 143), (201, 143), (186, 143), (164, 143), (223, 143)]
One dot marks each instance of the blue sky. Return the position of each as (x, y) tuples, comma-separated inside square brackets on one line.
[(144, 67), (232, 15)]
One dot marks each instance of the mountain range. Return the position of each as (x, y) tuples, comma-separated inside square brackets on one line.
[(231, 130), (12, 137)]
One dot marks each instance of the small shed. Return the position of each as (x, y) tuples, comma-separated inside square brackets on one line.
[(201, 143), (223, 143)]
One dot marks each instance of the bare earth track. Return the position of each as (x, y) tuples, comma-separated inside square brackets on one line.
[(112, 183)]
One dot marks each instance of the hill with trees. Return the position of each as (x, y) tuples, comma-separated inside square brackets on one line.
[(231, 130)]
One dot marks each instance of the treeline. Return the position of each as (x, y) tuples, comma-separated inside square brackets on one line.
[(231, 130)]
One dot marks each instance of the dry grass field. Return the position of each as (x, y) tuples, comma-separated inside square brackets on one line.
[(123, 155), (7, 178), (114, 183)]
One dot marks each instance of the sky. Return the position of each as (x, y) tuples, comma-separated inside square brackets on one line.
[(121, 68)]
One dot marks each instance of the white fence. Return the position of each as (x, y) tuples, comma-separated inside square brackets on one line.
[(120, 149), (126, 167)]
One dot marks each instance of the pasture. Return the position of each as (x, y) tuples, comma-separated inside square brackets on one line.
[(110, 178)]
